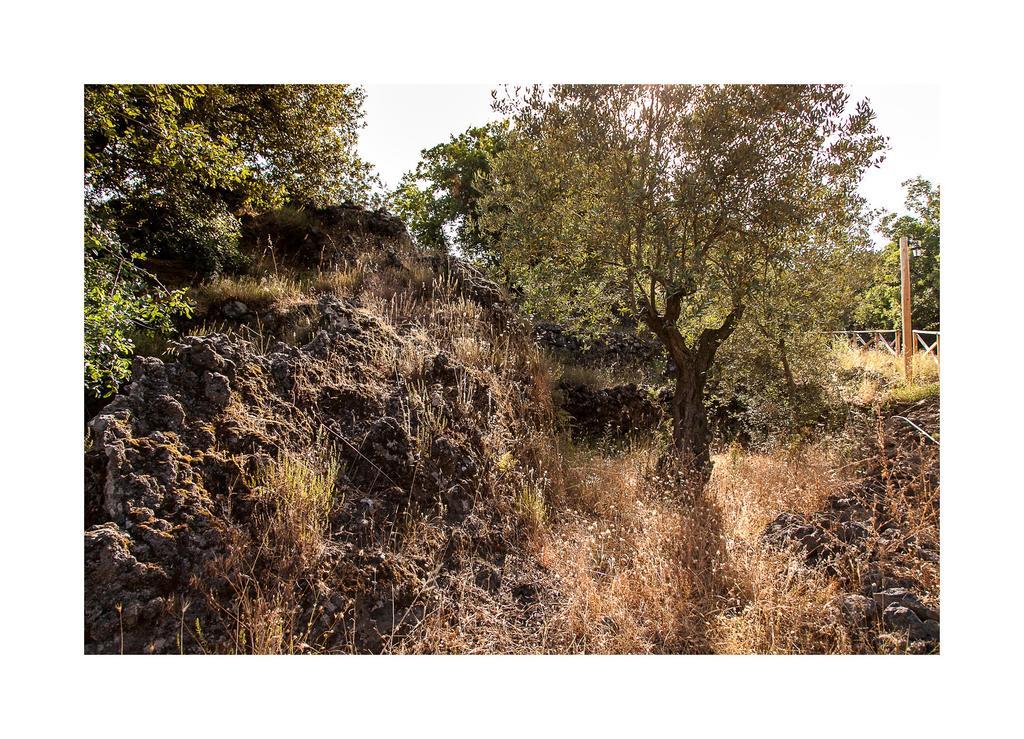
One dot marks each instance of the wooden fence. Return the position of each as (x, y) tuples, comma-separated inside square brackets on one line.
[(889, 340)]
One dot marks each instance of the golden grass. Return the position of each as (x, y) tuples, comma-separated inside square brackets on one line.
[(925, 367), (786, 608), (598, 376), (298, 493), (636, 562), (295, 495), (644, 567), (343, 283), (258, 293)]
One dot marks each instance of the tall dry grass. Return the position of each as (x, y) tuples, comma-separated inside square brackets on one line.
[(643, 565), (267, 609), (879, 373), (787, 608)]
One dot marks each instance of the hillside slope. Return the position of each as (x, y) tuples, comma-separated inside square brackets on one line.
[(366, 451), (252, 495)]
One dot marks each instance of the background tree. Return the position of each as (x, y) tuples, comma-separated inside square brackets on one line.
[(774, 363), (169, 172), (171, 168), (671, 202), (440, 199), (878, 306)]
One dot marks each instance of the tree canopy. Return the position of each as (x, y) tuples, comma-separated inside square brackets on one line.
[(673, 204), (878, 306), (171, 169), (440, 199)]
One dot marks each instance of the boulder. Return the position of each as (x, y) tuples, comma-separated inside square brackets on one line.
[(857, 611), (904, 598)]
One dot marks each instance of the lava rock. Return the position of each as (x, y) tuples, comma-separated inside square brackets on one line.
[(904, 598), (234, 309), (794, 530), (857, 611), (904, 621)]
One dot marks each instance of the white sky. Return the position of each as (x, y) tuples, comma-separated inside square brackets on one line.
[(401, 120)]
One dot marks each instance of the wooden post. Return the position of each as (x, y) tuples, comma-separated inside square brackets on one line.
[(908, 327)]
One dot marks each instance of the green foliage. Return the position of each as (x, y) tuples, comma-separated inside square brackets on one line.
[(681, 207), (120, 299), (774, 362), (670, 202), (171, 169), (878, 306), (174, 166), (440, 199)]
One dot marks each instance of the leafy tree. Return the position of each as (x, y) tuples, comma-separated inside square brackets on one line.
[(784, 338), (171, 169), (879, 306), (440, 199), (672, 203)]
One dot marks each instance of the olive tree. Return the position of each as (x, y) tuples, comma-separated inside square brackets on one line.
[(671, 204)]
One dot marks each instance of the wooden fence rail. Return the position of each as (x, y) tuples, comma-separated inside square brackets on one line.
[(889, 340)]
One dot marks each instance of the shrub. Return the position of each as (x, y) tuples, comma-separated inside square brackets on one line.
[(121, 299)]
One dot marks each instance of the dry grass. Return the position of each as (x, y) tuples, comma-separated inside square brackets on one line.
[(295, 495), (787, 608), (642, 565), (636, 561), (880, 373), (278, 289), (342, 283), (598, 376), (298, 495), (258, 293)]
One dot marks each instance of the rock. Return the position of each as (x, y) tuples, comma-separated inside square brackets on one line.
[(191, 468), (622, 346), (903, 597), (857, 611), (904, 621), (388, 453), (488, 577), (235, 309), (793, 529), (218, 388), (327, 238), (852, 532), (619, 410)]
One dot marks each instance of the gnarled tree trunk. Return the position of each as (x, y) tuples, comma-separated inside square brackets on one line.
[(690, 434), (689, 416)]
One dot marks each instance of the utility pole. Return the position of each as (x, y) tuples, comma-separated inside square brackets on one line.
[(908, 327)]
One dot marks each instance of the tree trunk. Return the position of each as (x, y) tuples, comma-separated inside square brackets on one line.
[(690, 434), (790, 384), (690, 418)]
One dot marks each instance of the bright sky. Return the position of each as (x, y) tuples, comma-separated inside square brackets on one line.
[(401, 120)]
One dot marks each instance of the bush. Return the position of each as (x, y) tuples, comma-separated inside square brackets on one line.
[(121, 299)]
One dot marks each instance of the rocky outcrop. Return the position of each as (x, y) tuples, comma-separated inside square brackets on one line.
[(862, 537), (177, 534), (324, 238), (616, 348)]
